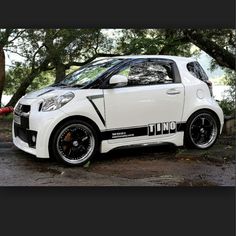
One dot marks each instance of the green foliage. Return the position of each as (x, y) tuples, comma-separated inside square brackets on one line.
[(19, 72), (225, 38), (153, 41), (125, 72), (228, 103), (72, 69), (228, 106), (7, 36), (44, 79), (86, 165), (7, 117), (230, 79)]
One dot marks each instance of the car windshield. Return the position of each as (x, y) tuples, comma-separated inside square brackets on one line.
[(88, 73)]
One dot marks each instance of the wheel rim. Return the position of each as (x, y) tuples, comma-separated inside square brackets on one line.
[(203, 130), (75, 143)]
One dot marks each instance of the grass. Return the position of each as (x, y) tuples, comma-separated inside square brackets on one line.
[(7, 117)]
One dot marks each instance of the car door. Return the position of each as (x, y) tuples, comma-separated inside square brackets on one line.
[(150, 104)]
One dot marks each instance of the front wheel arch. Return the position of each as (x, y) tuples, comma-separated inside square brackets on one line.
[(83, 118)]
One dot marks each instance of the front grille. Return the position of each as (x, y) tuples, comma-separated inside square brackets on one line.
[(25, 135), (25, 122), (21, 133), (23, 112), (22, 130)]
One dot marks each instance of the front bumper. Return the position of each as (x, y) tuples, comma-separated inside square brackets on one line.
[(23, 146), (33, 133)]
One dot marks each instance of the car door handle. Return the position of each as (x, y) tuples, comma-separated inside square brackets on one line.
[(173, 91)]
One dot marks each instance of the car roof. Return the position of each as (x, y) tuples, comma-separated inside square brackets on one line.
[(174, 58)]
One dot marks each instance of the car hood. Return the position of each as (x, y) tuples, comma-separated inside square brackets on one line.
[(47, 92), (51, 91)]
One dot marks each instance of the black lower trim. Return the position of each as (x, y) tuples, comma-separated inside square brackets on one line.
[(90, 98), (181, 126), (25, 122), (125, 133), (25, 135), (134, 132)]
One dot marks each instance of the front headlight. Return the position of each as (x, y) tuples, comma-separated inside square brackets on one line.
[(56, 102)]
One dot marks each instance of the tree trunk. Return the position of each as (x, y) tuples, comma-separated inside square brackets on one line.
[(28, 81), (60, 72), (2, 72), (221, 55), (23, 87)]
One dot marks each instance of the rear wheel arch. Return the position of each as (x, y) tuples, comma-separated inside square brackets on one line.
[(192, 117), (205, 110)]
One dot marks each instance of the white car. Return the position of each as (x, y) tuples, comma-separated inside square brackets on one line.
[(119, 102)]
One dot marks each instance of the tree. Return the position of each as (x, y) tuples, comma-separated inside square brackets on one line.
[(67, 47), (18, 72), (36, 60), (56, 49), (7, 38), (219, 44), (228, 102), (153, 41)]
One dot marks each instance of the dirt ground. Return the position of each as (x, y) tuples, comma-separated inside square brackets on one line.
[(5, 130), (146, 166)]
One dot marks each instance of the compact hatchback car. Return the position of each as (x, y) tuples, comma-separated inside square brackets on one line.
[(119, 102)]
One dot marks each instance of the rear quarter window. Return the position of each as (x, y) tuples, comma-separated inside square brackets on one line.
[(197, 71)]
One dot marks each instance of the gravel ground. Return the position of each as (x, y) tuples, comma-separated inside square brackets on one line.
[(149, 166)]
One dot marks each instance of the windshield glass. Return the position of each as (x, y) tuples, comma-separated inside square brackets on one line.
[(89, 73)]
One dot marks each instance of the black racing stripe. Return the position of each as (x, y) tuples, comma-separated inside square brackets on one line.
[(90, 98), (95, 96), (181, 126), (133, 132), (125, 133)]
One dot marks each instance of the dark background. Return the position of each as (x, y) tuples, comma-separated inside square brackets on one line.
[(118, 14), (118, 211)]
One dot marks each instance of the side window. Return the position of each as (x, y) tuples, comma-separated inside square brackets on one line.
[(148, 73), (196, 70)]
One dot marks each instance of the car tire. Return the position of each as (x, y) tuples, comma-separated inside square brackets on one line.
[(74, 143), (202, 130)]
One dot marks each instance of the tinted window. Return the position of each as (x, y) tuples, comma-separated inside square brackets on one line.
[(148, 73), (89, 73), (196, 70)]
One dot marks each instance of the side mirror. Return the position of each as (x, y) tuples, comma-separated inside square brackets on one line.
[(118, 80)]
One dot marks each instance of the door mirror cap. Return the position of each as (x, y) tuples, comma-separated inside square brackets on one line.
[(120, 80)]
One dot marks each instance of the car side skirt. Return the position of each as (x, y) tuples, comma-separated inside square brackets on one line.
[(176, 139)]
